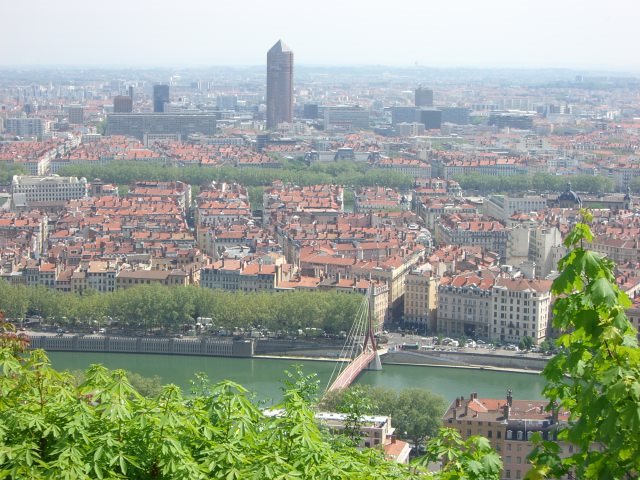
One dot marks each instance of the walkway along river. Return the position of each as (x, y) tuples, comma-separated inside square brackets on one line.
[(264, 376)]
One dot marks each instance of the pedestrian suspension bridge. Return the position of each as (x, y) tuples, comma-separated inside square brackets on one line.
[(359, 351)]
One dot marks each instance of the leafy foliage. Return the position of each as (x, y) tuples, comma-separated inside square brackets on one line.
[(343, 173), (471, 459), (8, 170), (146, 386), (416, 412), (596, 375), (525, 343), (541, 182), (9, 338), (103, 428), (153, 307), (52, 426)]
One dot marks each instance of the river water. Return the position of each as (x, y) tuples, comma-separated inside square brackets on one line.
[(264, 376)]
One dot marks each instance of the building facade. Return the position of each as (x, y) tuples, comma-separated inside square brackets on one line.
[(140, 124), (346, 118), (520, 308), (421, 299), (279, 85), (423, 97), (122, 104), (49, 189), (25, 127), (509, 425), (160, 97), (464, 304)]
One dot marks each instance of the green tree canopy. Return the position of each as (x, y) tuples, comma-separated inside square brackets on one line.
[(343, 173), (539, 182), (155, 307), (596, 375), (51, 427), (416, 413)]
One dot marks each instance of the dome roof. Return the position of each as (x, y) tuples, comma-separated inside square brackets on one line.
[(569, 195)]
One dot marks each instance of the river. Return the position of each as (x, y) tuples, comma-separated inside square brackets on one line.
[(264, 376)]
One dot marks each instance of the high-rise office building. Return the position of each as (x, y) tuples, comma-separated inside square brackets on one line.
[(279, 85), (430, 117), (424, 97), (310, 110), (160, 97), (122, 104), (404, 115), (76, 114)]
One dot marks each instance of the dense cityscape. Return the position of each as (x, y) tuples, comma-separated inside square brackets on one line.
[(416, 215)]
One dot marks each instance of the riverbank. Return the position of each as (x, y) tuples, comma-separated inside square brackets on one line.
[(300, 350), (204, 346), (395, 358), (469, 367), (507, 362)]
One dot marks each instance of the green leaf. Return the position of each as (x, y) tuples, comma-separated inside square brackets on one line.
[(602, 292)]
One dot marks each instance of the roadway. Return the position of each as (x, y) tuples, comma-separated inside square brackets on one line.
[(396, 340)]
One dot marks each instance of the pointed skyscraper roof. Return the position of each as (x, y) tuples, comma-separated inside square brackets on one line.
[(279, 47)]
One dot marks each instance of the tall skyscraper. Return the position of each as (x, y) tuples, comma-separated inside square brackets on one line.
[(160, 97), (279, 85), (424, 97)]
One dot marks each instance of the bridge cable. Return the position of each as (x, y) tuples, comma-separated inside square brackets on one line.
[(350, 347)]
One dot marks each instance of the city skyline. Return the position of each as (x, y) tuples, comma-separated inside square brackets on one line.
[(494, 34)]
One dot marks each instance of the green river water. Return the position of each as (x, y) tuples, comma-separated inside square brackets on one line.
[(264, 376)]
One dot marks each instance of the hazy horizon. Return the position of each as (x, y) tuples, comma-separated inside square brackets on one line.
[(464, 34)]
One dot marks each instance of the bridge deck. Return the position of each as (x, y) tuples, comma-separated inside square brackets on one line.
[(351, 372)]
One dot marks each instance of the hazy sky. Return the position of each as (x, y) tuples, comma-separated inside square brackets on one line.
[(591, 34)]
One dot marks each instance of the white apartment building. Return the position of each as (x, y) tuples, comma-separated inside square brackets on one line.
[(503, 207), (520, 308), (518, 245), (26, 189), (545, 249)]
